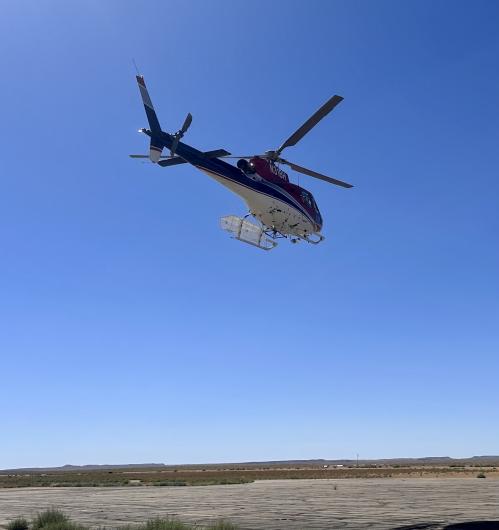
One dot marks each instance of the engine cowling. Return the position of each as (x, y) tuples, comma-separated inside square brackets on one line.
[(268, 170), (243, 164)]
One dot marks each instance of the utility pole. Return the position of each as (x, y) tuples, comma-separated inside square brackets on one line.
[(357, 459)]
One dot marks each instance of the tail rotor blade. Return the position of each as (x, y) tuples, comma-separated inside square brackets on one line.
[(187, 123), (180, 133), (174, 146)]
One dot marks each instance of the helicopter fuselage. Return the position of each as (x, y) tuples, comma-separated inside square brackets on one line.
[(281, 206)]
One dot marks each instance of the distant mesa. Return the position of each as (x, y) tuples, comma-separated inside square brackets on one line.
[(492, 460)]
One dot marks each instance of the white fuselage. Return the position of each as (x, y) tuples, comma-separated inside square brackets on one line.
[(272, 212)]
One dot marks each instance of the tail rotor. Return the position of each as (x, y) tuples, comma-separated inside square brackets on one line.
[(180, 133)]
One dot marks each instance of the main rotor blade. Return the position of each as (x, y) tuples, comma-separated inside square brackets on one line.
[(242, 156), (316, 175), (311, 123)]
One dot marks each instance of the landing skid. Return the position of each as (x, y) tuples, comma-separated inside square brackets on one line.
[(313, 239), (259, 235)]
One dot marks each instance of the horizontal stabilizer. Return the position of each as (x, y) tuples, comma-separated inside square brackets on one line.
[(166, 161), (216, 153), (155, 150), (173, 161)]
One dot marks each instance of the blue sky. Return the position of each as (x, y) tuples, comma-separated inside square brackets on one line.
[(132, 329)]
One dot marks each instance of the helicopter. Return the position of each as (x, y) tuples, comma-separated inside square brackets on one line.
[(281, 209)]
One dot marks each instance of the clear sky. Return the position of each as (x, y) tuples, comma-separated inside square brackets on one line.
[(132, 329)]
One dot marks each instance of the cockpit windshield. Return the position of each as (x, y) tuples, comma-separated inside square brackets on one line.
[(309, 201)]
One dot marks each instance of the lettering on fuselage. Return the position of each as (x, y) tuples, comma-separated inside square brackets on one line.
[(279, 172)]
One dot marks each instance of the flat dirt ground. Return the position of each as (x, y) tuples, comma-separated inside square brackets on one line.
[(274, 504)]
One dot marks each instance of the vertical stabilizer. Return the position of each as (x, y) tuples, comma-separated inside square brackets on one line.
[(150, 112), (155, 150), (156, 146)]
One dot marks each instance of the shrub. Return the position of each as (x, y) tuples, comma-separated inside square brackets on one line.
[(53, 519), (481, 475), (49, 517), (20, 523), (64, 525)]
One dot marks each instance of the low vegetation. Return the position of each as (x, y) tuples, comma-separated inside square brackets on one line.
[(49, 518), (221, 475), (18, 524), (53, 519), (90, 479)]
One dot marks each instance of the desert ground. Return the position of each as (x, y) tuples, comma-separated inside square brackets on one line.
[(375, 503)]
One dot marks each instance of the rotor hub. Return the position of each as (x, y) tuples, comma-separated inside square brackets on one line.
[(272, 155)]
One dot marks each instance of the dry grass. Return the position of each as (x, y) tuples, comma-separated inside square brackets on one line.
[(189, 476), (54, 519)]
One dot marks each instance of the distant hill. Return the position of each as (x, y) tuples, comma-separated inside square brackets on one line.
[(483, 460), (88, 467)]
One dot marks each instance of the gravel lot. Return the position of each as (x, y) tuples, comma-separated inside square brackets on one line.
[(274, 504)]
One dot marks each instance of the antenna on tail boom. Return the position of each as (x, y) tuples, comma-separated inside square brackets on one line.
[(135, 64)]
